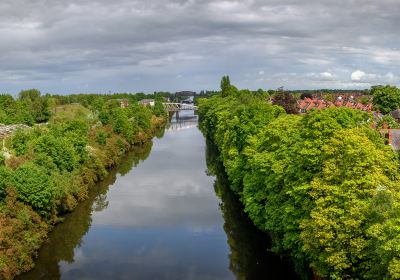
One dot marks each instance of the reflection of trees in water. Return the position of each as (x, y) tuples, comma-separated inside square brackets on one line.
[(132, 159), (68, 235), (160, 133), (249, 247), (100, 203)]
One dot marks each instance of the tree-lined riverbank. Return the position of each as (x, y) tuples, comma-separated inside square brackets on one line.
[(50, 168), (323, 185)]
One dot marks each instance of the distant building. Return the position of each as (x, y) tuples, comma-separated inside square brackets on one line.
[(307, 104), (147, 102)]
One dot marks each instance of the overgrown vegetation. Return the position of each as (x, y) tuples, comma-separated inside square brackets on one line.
[(323, 184), (49, 168)]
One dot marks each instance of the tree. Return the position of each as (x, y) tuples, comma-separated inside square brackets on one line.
[(350, 198), (306, 95), (35, 188), (225, 86), (30, 94), (287, 101), (386, 98), (36, 106), (323, 185)]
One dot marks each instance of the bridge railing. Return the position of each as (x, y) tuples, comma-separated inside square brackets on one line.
[(169, 106)]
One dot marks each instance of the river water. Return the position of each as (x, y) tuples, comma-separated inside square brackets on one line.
[(161, 214)]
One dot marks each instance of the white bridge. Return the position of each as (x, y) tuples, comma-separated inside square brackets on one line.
[(175, 107)]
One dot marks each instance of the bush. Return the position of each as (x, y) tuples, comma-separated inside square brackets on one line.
[(35, 187)]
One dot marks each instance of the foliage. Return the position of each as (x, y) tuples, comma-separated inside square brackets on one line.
[(306, 95), (65, 113), (53, 165), (35, 188), (323, 185), (22, 232), (287, 101), (19, 141), (225, 86), (389, 121), (386, 98), (2, 159)]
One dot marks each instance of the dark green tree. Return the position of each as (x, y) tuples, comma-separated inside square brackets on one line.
[(225, 86), (287, 101)]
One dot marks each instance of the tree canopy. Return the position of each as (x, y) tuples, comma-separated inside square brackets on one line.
[(323, 185), (386, 98)]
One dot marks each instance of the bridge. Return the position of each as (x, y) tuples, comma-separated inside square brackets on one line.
[(176, 107)]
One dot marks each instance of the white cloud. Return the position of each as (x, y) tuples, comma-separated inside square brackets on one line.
[(360, 77), (326, 75), (357, 75)]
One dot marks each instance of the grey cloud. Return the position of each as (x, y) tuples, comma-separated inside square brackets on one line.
[(121, 45)]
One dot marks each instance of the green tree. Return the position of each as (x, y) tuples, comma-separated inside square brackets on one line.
[(59, 150), (35, 188), (356, 172), (30, 94), (386, 98), (225, 86)]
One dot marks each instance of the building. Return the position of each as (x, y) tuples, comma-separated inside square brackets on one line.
[(307, 104), (392, 137), (396, 115), (147, 102)]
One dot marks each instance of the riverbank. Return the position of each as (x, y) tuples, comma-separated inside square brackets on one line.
[(52, 168), (323, 184)]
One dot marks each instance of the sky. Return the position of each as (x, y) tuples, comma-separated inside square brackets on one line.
[(102, 46)]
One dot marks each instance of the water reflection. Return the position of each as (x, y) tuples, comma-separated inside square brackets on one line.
[(249, 248), (69, 235), (160, 220), (182, 121)]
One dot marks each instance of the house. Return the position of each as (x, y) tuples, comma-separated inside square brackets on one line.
[(307, 104), (396, 115), (147, 102)]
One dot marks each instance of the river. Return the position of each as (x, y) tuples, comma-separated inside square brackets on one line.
[(161, 214)]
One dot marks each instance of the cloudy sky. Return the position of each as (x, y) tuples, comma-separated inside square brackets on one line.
[(62, 46)]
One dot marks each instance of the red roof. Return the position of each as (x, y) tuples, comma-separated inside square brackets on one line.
[(307, 104)]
